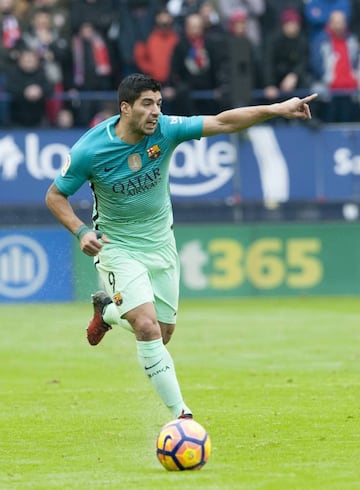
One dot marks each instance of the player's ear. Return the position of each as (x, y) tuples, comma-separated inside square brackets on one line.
[(124, 107)]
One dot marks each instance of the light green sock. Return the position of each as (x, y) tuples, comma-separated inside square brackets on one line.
[(159, 368), (112, 316)]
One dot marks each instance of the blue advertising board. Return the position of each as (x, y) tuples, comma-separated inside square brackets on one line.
[(264, 163), (204, 169), (341, 168), (35, 265), (29, 161), (301, 163)]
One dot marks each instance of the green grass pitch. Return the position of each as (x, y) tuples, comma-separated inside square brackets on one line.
[(276, 382)]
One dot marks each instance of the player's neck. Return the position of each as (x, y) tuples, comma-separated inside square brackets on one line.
[(123, 132)]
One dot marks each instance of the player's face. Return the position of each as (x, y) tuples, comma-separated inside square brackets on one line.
[(144, 114)]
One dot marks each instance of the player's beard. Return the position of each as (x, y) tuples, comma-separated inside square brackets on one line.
[(143, 127)]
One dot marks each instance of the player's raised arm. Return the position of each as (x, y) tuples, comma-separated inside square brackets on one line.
[(235, 120)]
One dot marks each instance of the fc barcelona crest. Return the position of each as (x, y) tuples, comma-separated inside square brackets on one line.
[(154, 152), (117, 299), (134, 162)]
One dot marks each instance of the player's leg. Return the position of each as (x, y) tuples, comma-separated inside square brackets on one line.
[(107, 305), (164, 272), (166, 331), (112, 316), (165, 283), (156, 359), (127, 281), (106, 315), (165, 278)]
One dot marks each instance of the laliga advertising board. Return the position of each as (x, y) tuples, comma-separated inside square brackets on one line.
[(261, 164), (29, 161)]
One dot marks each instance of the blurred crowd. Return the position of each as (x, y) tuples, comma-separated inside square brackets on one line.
[(61, 60)]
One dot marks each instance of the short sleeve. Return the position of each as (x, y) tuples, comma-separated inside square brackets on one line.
[(74, 173), (182, 128)]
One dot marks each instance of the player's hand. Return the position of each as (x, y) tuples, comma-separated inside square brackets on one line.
[(296, 108), (92, 242)]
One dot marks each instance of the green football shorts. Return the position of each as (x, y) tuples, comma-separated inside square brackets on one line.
[(133, 277)]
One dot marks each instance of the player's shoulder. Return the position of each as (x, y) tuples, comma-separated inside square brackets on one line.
[(181, 128), (170, 120), (95, 136), (172, 123)]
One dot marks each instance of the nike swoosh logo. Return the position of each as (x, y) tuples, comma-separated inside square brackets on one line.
[(107, 169), (150, 367)]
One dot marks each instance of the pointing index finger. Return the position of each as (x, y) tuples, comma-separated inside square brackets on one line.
[(309, 98)]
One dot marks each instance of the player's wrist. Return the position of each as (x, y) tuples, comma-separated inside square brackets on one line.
[(81, 231), (274, 110)]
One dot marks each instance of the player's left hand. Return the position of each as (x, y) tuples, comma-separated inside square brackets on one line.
[(296, 108)]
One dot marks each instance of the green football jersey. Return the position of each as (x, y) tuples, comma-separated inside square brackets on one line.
[(130, 182)]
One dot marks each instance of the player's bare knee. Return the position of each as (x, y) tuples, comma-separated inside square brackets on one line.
[(146, 328)]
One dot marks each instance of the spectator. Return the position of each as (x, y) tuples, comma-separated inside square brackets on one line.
[(91, 68), (28, 87), (243, 58), (54, 52), (162, 40), (317, 14), (214, 32), (355, 17), (98, 13), (254, 8), (102, 15), (286, 58), (197, 64), (21, 10), (136, 20), (273, 10), (213, 26), (65, 119), (335, 65), (9, 25), (108, 109), (10, 33), (59, 12), (180, 9)]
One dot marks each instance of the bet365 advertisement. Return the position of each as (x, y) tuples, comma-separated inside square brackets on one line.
[(269, 260), (216, 261)]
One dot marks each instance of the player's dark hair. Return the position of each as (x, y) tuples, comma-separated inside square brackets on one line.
[(133, 85)]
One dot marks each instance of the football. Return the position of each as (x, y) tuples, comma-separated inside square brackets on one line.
[(183, 444)]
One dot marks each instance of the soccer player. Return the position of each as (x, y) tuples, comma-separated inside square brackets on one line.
[(126, 160)]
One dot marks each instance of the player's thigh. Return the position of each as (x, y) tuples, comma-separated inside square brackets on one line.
[(165, 283), (125, 279)]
